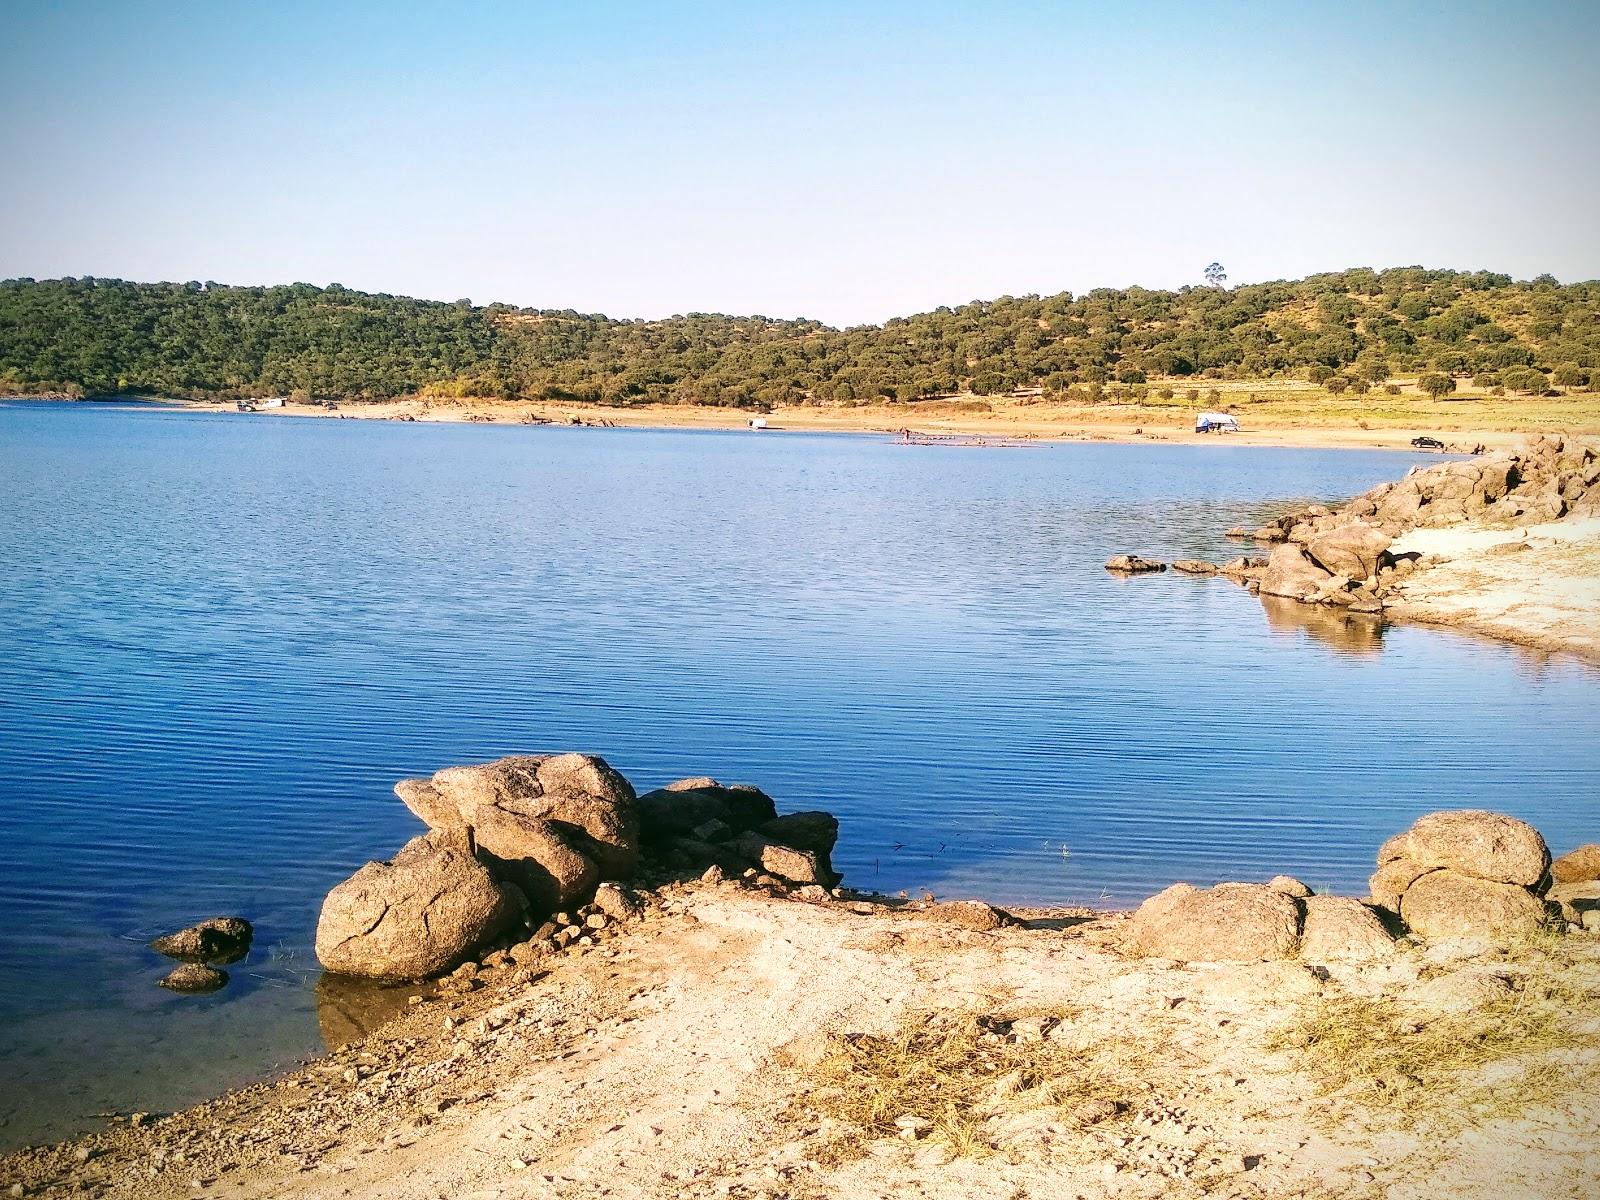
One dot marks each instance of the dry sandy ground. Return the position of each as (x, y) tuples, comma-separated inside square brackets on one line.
[(676, 1060), (1537, 585), (1009, 421)]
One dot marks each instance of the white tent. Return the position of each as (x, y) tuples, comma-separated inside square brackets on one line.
[(1208, 422)]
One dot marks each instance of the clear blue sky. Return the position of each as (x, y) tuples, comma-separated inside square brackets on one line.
[(849, 161)]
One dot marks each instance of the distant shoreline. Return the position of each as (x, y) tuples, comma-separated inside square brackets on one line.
[(1277, 422)]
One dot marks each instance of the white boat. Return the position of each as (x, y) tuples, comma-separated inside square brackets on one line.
[(757, 423)]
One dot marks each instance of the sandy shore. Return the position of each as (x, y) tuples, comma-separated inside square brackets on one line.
[(697, 1054), (1537, 586), (1279, 424)]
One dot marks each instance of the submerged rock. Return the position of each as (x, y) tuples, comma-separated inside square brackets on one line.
[(1132, 564), (1194, 566), (413, 917), (194, 977), (217, 940)]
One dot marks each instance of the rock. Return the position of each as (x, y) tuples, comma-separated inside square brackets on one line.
[(1232, 922), (1132, 564), (1446, 904), (1288, 885), (1194, 566), (1355, 550), (414, 916), (679, 808), (1483, 845), (814, 831), (194, 977), (1576, 898), (967, 914), (1391, 880), (1291, 572), (217, 940), (552, 824), (1339, 929), (615, 903), (1581, 864), (1243, 566), (1459, 992), (796, 866)]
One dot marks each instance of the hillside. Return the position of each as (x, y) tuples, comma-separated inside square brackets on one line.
[(1359, 327)]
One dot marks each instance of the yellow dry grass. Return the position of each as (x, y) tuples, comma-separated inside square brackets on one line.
[(947, 1077), (1409, 1066)]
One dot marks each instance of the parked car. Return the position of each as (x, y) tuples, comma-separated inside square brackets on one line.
[(1427, 443)]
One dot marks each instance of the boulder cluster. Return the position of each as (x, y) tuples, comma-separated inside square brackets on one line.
[(518, 844), (1460, 875), (1343, 557), (202, 950)]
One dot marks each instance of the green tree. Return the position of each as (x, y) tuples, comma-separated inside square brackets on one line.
[(1436, 384), (1567, 375), (1215, 275), (1336, 385)]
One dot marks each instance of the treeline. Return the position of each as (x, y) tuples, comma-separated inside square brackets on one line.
[(1353, 328)]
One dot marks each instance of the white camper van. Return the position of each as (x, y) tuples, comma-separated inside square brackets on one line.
[(1216, 423)]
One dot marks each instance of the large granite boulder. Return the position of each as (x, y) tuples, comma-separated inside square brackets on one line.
[(1465, 874), (1443, 905), (1579, 866), (1355, 551), (814, 831), (1232, 922), (552, 824), (1483, 845), (415, 916), (678, 809), (1294, 573), (1341, 929)]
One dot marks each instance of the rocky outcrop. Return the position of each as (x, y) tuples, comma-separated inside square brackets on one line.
[(1464, 874), (1344, 557), (414, 916), (554, 825), (1132, 564), (1194, 566), (1579, 865), (530, 837), (217, 940)]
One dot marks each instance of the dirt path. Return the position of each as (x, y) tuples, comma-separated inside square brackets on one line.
[(682, 1058)]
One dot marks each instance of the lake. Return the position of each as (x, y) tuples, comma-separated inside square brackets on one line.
[(224, 637)]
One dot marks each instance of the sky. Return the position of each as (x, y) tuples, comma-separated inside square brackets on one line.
[(843, 161)]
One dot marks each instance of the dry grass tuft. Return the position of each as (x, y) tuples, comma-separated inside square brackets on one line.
[(1453, 1068), (951, 1078)]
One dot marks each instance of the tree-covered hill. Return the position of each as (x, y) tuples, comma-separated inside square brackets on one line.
[(96, 336)]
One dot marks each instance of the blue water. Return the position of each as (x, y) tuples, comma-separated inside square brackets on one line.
[(224, 637)]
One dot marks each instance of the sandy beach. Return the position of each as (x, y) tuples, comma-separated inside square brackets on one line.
[(1285, 418)]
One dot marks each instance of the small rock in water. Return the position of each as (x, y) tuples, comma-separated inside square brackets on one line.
[(220, 939), (1132, 564), (195, 977)]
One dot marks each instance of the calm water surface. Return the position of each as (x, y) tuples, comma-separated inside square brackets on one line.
[(223, 638)]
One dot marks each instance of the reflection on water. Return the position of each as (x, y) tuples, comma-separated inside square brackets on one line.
[(349, 1009), (222, 641), (1343, 630)]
